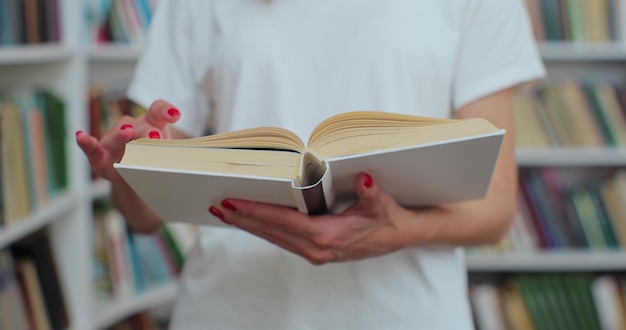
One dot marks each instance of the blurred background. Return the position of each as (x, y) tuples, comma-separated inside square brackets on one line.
[(67, 260)]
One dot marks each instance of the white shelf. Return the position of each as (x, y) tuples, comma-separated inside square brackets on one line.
[(114, 53), (100, 188), (34, 54), (572, 157), (111, 312), (46, 214), (547, 261), (568, 51)]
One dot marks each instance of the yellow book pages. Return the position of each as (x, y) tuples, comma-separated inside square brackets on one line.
[(269, 163), (344, 134)]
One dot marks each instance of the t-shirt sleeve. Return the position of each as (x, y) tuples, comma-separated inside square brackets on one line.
[(496, 51), (175, 60)]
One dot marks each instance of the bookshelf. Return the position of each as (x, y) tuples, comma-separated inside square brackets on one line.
[(69, 66), (560, 261)]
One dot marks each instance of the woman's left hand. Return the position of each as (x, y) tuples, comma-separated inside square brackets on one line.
[(371, 227)]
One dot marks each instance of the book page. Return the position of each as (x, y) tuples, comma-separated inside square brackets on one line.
[(367, 135), (253, 138), (263, 163)]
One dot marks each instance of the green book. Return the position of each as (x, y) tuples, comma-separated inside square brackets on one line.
[(55, 119)]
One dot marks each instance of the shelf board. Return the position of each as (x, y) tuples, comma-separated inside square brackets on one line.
[(569, 51), (46, 214), (546, 261), (113, 53), (33, 54), (100, 188), (572, 157), (110, 312)]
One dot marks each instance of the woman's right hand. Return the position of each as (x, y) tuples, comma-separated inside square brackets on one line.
[(103, 153)]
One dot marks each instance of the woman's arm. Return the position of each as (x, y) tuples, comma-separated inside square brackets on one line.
[(103, 153), (376, 224), (483, 221)]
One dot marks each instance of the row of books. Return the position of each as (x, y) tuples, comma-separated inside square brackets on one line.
[(127, 263), (571, 114), (550, 301), (30, 292), (578, 20), (33, 155), (29, 22), (119, 21), (553, 214)]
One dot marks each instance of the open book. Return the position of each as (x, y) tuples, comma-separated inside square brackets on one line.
[(420, 161)]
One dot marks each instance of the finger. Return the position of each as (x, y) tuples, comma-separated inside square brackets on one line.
[(287, 219), (146, 130), (88, 144), (289, 241), (366, 187), (162, 113), (98, 158), (371, 198), (123, 131)]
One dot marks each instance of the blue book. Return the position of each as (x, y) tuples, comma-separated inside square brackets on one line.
[(6, 28)]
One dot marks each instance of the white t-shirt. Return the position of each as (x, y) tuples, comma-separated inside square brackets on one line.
[(293, 63)]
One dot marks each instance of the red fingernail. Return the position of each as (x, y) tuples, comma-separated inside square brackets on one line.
[(125, 126), (216, 212), (229, 205), (368, 181), (154, 135), (79, 132), (173, 112)]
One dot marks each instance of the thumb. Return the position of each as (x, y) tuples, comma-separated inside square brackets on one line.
[(366, 188)]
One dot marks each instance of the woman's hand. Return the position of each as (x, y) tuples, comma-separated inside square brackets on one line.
[(108, 150), (371, 227)]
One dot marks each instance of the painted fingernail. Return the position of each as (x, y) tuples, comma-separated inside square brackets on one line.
[(79, 132), (125, 126), (368, 181), (229, 205), (154, 135), (216, 212), (173, 112)]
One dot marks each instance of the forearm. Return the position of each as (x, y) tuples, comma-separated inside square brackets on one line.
[(483, 221), (138, 215), (473, 223)]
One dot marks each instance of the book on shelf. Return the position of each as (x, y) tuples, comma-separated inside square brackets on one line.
[(569, 113), (549, 301), (420, 161), (13, 313), (578, 20), (127, 263), (40, 286), (29, 22), (118, 21), (556, 214), (33, 155)]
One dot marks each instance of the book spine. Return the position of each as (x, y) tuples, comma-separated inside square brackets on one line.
[(318, 197)]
